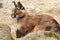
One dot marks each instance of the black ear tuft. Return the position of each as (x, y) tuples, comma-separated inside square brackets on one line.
[(21, 6), (14, 3)]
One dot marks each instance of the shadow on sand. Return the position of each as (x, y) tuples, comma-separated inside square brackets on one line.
[(1, 5)]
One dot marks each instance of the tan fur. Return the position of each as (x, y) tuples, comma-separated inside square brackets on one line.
[(27, 23)]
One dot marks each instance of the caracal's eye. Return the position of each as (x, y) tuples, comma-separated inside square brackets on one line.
[(15, 11)]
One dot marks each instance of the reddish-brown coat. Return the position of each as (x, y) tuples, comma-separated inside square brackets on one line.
[(27, 23)]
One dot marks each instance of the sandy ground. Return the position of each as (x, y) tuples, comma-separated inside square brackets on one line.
[(33, 7)]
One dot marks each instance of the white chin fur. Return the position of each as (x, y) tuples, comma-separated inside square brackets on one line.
[(17, 16)]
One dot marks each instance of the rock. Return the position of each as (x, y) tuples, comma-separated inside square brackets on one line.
[(41, 35), (5, 32)]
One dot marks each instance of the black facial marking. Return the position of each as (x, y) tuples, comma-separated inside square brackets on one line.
[(13, 15)]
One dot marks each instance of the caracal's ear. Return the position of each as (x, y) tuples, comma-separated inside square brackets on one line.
[(20, 6), (15, 4)]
